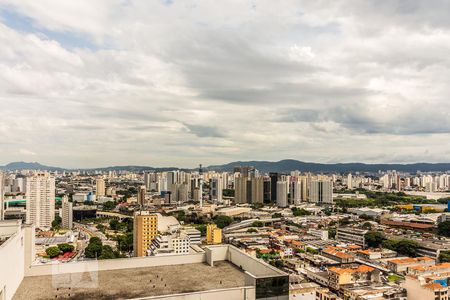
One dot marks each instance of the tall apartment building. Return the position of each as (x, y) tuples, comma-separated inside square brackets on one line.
[(240, 190), (2, 204), (321, 191), (213, 234), (145, 229), (216, 188), (295, 191), (40, 195), (274, 178), (141, 195), (257, 190), (282, 194), (66, 213), (100, 187)]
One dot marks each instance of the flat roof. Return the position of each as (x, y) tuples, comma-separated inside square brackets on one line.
[(134, 283)]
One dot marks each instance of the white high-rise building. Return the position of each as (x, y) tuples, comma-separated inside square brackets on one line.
[(282, 193), (295, 190), (2, 204), (350, 181), (66, 213), (100, 187), (321, 191), (40, 197)]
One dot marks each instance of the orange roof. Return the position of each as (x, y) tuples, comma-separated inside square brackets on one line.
[(435, 267), (334, 251), (410, 260), (433, 286), (364, 251), (354, 247), (359, 269), (408, 224)]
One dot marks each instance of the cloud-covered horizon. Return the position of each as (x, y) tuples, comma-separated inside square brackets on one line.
[(178, 83)]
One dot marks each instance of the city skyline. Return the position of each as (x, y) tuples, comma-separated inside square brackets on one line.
[(90, 85)]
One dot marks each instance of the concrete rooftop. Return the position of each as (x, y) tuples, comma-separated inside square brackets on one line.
[(132, 283)]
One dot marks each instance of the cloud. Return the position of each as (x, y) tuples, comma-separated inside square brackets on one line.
[(173, 83)]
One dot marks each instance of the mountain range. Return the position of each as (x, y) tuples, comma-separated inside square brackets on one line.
[(286, 165)]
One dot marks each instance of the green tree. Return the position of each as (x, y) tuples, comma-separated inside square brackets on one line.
[(66, 247), (366, 225), (444, 256), (407, 247), (114, 224), (312, 250), (252, 230), (201, 228), (300, 212), (374, 238), (257, 224), (109, 205), (222, 221), (332, 233), (56, 223), (444, 228), (277, 215), (107, 253), (52, 251), (94, 249)]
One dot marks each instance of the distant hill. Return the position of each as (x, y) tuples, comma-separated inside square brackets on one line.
[(288, 165), (37, 166), (29, 166)]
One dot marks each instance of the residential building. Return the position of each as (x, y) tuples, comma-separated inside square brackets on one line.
[(145, 230), (257, 194), (426, 287), (213, 234), (66, 213), (141, 195), (351, 235), (339, 276), (321, 191), (170, 245), (100, 187), (193, 234), (216, 189), (240, 190), (40, 195), (282, 194), (401, 265)]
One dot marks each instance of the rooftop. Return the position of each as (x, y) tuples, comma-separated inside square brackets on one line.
[(134, 283)]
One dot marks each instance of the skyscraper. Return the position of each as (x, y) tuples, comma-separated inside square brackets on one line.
[(240, 190), (282, 194), (40, 195), (295, 191), (257, 190), (216, 188), (66, 213), (321, 191), (274, 178), (145, 229), (349, 181), (141, 195), (100, 187)]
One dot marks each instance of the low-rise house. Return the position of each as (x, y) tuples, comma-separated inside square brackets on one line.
[(401, 265)]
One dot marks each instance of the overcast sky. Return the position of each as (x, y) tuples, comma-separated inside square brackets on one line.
[(177, 83)]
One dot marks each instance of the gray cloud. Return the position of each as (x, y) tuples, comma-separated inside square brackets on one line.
[(172, 84)]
